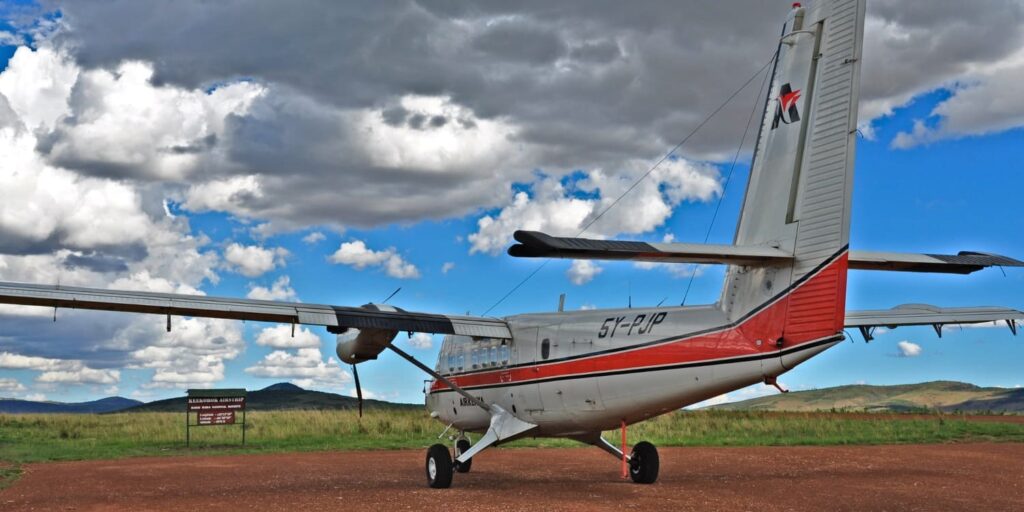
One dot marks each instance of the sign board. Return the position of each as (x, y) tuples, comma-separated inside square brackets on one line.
[(216, 418), (213, 407), (224, 403)]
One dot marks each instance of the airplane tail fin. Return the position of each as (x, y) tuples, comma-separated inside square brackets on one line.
[(798, 195)]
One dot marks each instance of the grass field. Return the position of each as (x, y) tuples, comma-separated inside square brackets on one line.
[(39, 438)]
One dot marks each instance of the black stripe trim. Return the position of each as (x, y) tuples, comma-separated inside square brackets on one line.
[(828, 261), (716, 362)]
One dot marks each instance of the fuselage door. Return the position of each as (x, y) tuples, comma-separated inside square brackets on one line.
[(526, 351)]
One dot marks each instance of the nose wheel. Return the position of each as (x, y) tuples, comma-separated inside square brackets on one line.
[(439, 467), (644, 463)]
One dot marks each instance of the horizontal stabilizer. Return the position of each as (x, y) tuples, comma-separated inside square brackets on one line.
[(533, 244), (332, 317), (963, 263), (924, 314)]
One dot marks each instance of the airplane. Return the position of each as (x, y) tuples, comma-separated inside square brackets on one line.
[(576, 374)]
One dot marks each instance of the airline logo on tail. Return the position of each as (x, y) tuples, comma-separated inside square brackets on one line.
[(785, 109)]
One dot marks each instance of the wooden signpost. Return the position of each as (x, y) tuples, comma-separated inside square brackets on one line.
[(214, 407)]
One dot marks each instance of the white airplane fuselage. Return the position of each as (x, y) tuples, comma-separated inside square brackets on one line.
[(579, 373)]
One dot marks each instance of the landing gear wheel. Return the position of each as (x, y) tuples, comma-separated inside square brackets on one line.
[(460, 447), (439, 467), (643, 463)]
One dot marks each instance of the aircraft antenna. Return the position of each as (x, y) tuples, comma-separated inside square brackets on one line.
[(392, 295), (728, 176), (638, 180)]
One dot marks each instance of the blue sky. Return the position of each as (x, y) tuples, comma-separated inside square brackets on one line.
[(954, 191)]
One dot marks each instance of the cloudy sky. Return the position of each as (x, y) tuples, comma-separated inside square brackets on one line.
[(333, 152)]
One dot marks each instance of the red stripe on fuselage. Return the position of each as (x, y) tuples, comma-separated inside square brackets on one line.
[(807, 313)]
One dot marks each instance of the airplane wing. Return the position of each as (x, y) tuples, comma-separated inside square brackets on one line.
[(963, 263), (924, 314), (534, 244), (335, 318)]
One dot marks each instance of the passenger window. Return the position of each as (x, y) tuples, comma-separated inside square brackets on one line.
[(503, 354), (494, 356), (461, 361), (545, 348), (476, 358)]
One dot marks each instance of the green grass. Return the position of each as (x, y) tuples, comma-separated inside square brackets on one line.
[(40, 438)]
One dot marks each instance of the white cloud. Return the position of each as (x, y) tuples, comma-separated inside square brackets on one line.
[(357, 255), (555, 209), (304, 367), (280, 290), (81, 375), (587, 307), (908, 349), (280, 336), (421, 340), (36, 397), (224, 194), (582, 272), (125, 126), (447, 267), (59, 371), (11, 386), (37, 85), (254, 260), (314, 237), (192, 354)]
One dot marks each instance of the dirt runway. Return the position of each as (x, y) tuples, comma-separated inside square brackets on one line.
[(905, 477)]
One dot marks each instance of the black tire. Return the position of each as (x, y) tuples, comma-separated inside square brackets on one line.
[(439, 467), (460, 447), (643, 463)]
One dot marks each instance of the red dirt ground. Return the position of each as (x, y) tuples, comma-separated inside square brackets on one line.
[(905, 477)]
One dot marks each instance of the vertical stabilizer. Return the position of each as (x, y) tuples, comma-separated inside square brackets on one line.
[(798, 195)]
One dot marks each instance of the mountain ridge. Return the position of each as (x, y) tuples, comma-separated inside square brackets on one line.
[(946, 396)]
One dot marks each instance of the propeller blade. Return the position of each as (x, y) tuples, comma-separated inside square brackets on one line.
[(359, 390)]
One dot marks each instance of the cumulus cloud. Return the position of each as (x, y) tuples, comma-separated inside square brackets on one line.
[(280, 336), (582, 272), (357, 255), (447, 267), (314, 237), (193, 354), (281, 289), (59, 371), (8, 385), (562, 210), (254, 260), (421, 340), (908, 349), (305, 367), (462, 101)]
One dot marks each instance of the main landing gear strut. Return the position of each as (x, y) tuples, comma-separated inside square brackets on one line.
[(641, 465)]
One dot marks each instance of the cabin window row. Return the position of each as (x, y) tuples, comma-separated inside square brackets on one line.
[(482, 357)]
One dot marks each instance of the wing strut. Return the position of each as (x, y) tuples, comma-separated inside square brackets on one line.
[(476, 401)]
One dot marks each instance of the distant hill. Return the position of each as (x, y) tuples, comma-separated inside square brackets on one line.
[(110, 404), (280, 397), (939, 395)]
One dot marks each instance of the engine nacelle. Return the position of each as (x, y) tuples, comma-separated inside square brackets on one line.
[(358, 345)]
